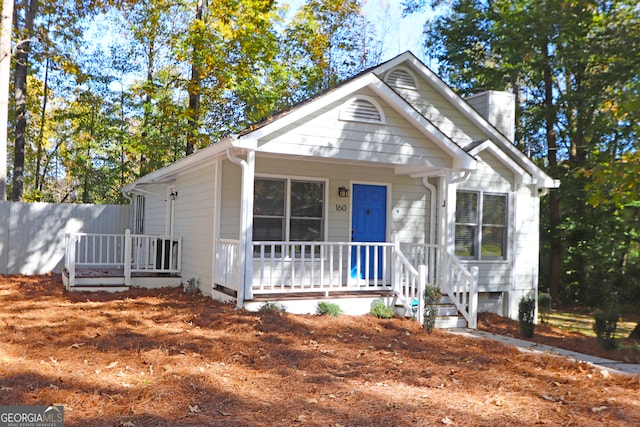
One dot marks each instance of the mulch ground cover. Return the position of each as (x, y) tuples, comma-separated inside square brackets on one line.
[(164, 358)]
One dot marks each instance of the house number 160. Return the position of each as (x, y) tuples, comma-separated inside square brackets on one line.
[(341, 208)]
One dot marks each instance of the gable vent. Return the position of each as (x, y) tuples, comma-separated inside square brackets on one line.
[(401, 78), (361, 110)]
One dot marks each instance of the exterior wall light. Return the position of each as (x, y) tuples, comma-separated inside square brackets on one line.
[(343, 192)]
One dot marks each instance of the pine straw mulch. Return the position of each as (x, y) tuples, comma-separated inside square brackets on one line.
[(553, 336), (163, 358)]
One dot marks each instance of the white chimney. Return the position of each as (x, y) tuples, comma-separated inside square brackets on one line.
[(499, 108)]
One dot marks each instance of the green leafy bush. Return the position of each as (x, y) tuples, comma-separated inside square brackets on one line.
[(432, 297), (606, 322), (544, 306), (329, 309), (526, 314), (274, 307), (381, 311)]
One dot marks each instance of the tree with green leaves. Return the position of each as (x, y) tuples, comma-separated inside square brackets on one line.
[(568, 64)]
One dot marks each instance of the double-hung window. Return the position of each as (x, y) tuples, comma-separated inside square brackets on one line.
[(288, 210), (481, 225)]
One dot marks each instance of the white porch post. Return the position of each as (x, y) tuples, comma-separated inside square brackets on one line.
[(422, 283), (473, 298), (127, 257), (71, 258), (248, 189)]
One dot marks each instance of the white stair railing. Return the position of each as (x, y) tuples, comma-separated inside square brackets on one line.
[(462, 288)]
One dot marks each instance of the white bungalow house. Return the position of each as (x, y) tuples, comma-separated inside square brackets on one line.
[(372, 190)]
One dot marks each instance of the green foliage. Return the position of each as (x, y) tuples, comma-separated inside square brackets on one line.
[(329, 309), (526, 315), (381, 311), (606, 321), (432, 297), (273, 307), (577, 118), (544, 305)]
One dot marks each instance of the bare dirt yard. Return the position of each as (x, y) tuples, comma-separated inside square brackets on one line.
[(163, 358)]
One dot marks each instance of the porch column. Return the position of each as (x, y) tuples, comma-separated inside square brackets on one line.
[(248, 189)]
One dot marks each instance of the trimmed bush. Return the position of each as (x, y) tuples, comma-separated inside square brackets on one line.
[(273, 307), (328, 309), (381, 311), (432, 297), (526, 315), (606, 323)]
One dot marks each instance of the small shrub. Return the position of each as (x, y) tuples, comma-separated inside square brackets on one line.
[(329, 309), (432, 297), (606, 322), (381, 311), (544, 306), (274, 307), (526, 314)]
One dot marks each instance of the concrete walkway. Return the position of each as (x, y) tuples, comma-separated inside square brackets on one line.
[(535, 348)]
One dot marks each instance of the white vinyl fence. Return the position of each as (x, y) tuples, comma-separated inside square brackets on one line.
[(32, 235)]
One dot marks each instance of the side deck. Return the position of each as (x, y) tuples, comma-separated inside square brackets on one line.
[(115, 262)]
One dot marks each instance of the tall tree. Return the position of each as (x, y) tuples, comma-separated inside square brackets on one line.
[(6, 22), (567, 61), (32, 22)]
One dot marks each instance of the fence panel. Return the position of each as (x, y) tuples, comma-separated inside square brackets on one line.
[(32, 234)]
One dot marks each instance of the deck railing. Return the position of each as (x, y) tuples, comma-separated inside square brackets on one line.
[(130, 252), (321, 266), (329, 267)]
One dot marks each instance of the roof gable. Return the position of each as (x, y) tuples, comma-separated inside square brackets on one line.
[(354, 88), (410, 61)]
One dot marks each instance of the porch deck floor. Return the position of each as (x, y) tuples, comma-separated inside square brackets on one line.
[(92, 272), (347, 293)]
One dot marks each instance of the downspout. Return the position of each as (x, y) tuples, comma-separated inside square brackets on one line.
[(246, 226)]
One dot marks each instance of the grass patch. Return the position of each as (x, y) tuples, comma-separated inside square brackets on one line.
[(583, 323)]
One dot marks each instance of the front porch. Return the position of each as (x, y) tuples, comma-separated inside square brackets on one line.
[(300, 274)]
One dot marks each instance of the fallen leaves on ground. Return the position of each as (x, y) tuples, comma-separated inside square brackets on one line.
[(163, 358)]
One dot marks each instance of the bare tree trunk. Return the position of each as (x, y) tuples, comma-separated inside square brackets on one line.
[(6, 24), (20, 96), (43, 115), (194, 93), (555, 260)]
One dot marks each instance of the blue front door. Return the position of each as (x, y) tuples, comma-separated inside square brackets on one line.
[(369, 224)]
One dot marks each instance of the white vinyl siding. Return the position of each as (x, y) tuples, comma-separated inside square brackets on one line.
[(194, 211), (155, 209), (397, 142), (441, 113)]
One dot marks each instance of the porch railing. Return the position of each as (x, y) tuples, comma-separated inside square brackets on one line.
[(330, 267), (132, 253)]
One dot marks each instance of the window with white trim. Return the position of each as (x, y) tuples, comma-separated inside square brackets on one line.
[(286, 209), (481, 225)]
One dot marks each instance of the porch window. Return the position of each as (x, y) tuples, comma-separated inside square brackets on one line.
[(138, 226), (288, 210), (481, 225)]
